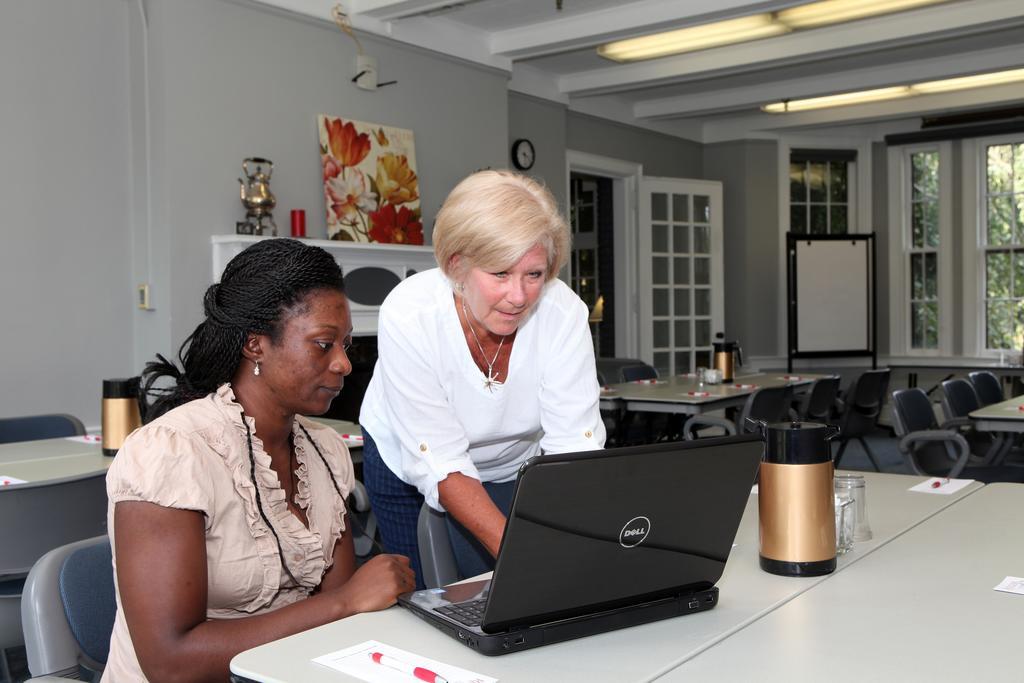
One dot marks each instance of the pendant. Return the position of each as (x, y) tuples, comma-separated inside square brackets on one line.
[(491, 381)]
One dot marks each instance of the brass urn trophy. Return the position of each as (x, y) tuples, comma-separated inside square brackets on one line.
[(257, 198)]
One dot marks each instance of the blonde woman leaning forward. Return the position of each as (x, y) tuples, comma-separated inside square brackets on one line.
[(482, 364)]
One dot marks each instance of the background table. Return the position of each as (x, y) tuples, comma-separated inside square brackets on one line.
[(1006, 416), (920, 609), (638, 653), (672, 395), (48, 459)]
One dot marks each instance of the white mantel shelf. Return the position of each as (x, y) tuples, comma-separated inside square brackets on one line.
[(400, 259)]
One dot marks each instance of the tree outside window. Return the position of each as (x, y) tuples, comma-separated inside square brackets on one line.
[(923, 250), (819, 202), (1004, 246)]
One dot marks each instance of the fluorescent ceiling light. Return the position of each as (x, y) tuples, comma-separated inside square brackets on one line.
[(946, 85), (836, 11), (979, 81), (838, 100), (753, 27), (693, 38)]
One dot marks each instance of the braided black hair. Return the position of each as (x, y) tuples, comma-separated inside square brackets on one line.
[(258, 291)]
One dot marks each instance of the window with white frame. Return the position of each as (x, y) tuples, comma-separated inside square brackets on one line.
[(1002, 236), (922, 248), (819, 191)]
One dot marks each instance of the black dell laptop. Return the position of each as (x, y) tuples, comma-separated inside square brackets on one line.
[(602, 540)]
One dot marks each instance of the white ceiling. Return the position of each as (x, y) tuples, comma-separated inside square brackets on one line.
[(712, 94)]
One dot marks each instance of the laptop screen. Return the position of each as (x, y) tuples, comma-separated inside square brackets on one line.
[(603, 529)]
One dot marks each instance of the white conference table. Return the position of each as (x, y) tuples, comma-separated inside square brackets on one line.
[(1005, 416), (641, 653), (920, 609), (46, 459)]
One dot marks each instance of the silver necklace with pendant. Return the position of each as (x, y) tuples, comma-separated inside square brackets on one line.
[(492, 377)]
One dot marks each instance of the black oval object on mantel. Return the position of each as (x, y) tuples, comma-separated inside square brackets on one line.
[(370, 285)]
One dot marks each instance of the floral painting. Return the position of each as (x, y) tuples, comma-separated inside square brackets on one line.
[(370, 184)]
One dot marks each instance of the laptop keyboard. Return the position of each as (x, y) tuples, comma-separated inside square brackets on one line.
[(469, 613)]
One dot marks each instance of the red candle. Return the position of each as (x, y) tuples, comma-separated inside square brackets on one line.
[(298, 223)]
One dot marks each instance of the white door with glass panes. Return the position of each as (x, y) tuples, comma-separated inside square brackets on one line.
[(680, 272)]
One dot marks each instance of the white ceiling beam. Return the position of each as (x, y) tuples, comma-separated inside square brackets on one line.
[(576, 30), (961, 18), (904, 73), (389, 10)]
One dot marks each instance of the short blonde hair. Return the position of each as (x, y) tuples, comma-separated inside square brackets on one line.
[(492, 218)]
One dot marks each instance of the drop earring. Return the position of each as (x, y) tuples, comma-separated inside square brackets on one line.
[(256, 370)]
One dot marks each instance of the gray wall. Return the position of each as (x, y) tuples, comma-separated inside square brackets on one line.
[(65, 180), (749, 176), (661, 155), (543, 123), (251, 83)]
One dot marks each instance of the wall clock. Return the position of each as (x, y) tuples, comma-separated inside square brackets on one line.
[(523, 154)]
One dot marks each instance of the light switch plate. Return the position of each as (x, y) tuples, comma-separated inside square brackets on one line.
[(143, 297)]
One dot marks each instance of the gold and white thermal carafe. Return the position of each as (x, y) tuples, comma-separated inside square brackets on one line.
[(796, 499), (120, 412), (727, 356)]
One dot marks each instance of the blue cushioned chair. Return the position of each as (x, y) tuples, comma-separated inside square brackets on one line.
[(35, 427), (68, 609)]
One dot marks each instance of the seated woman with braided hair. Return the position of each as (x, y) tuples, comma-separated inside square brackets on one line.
[(227, 511)]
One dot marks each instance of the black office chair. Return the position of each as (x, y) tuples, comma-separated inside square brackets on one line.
[(656, 425), (609, 370), (616, 422), (987, 387), (959, 400), (68, 609), (819, 402), (861, 406), (770, 404), (635, 373), (938, 451), (35, 427)]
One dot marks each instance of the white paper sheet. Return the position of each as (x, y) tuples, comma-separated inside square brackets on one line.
[(940, 485), (355, 661), (1011, 584), (10, 481), (85, 438)]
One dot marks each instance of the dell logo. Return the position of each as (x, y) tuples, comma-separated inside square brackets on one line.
[(634, 532)]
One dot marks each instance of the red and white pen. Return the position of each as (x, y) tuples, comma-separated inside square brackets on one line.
[(939, 483), (352, 436), (411, 669)]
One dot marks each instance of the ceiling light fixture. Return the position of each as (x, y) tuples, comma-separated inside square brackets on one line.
[(752, 27), (837, 100), (837, 11), (978, 81), (693, 38), (928, 87)]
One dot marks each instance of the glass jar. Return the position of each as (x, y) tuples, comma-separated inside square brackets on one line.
[(851, 487)]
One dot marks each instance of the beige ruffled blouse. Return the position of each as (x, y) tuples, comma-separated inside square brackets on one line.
[(196, 457)]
